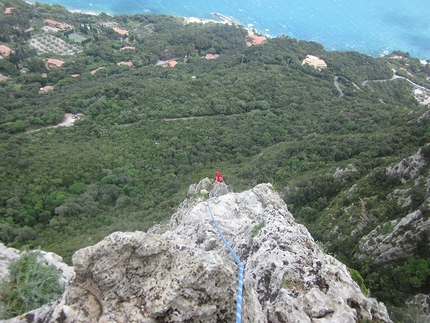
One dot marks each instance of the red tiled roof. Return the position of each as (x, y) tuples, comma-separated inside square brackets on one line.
[(211, 56), (53, 62), (5, 51), (8, 10), (121, 31)]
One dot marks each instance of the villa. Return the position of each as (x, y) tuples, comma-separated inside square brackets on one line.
[(5, 51), (253, 39), (54, 63), (121, 31), (314, 61), (56, 24), (172, 63), (8, 10), (211, 56)]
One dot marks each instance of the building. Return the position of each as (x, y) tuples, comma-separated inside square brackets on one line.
[(128, 47), (314, 61), (211, 56), (45, 89), (5, 51), (54, 63), (172, 63), (121, 31), (8, 10), (56, 24), (128, 63), (253, 39)]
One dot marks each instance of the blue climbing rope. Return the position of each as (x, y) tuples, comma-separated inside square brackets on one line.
[(239, 263)]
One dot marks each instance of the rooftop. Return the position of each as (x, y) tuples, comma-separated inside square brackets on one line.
[(121, 31), (314, 61)]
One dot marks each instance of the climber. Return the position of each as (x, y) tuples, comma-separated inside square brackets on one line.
[(218, 178)]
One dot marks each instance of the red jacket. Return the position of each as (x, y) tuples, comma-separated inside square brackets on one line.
[(218, 177)]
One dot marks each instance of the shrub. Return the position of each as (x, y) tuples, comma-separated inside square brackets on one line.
[(256, 229), (31, 284), (359, 280)]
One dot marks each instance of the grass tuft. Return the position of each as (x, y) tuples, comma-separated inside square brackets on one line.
[(31, 284)]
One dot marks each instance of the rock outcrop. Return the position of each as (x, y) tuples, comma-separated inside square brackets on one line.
[(408, 167), (401, 238), (183, 272)]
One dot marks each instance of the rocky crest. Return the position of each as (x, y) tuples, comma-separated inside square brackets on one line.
[(182, 272), (400, 238)]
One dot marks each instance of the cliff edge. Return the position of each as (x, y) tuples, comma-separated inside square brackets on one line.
[(182, 272)]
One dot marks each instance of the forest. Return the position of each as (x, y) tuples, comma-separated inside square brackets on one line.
[(148, 131)]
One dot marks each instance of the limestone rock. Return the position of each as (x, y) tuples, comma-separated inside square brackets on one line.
[(220, 189), (186, 274), (408, 167), (401, 240), (341, 173), (7, 256)]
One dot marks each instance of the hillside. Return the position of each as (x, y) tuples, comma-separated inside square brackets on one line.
[(328, 139)]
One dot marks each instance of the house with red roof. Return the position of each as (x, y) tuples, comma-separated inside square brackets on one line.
[(211, 56), (121, 31), (8, 10), (5, 51), (56, 24), (172, 63), (253, 39), (54, 63)]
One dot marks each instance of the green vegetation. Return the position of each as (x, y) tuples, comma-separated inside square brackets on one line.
[(256, 229), (31, 284), (359, 280), (149, 131), (287, 283)]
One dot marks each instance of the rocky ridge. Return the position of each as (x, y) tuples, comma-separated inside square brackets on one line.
[(400, 238), (182, 272)]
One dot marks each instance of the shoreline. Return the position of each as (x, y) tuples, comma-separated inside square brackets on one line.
[(232, 21)]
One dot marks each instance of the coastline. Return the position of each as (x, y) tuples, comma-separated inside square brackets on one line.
[(222, 19), (248, 24)]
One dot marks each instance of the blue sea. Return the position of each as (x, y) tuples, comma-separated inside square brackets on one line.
[(372, 27)]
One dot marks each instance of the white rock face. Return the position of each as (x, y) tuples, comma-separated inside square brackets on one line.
[(400, 242), (401, 237), (340, 173), (408, 167), (7, 255), (186, 274)]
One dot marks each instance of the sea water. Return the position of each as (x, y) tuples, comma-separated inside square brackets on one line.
[(372, 27)]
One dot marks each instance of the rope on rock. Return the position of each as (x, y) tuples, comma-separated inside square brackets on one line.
[(240, 265)]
